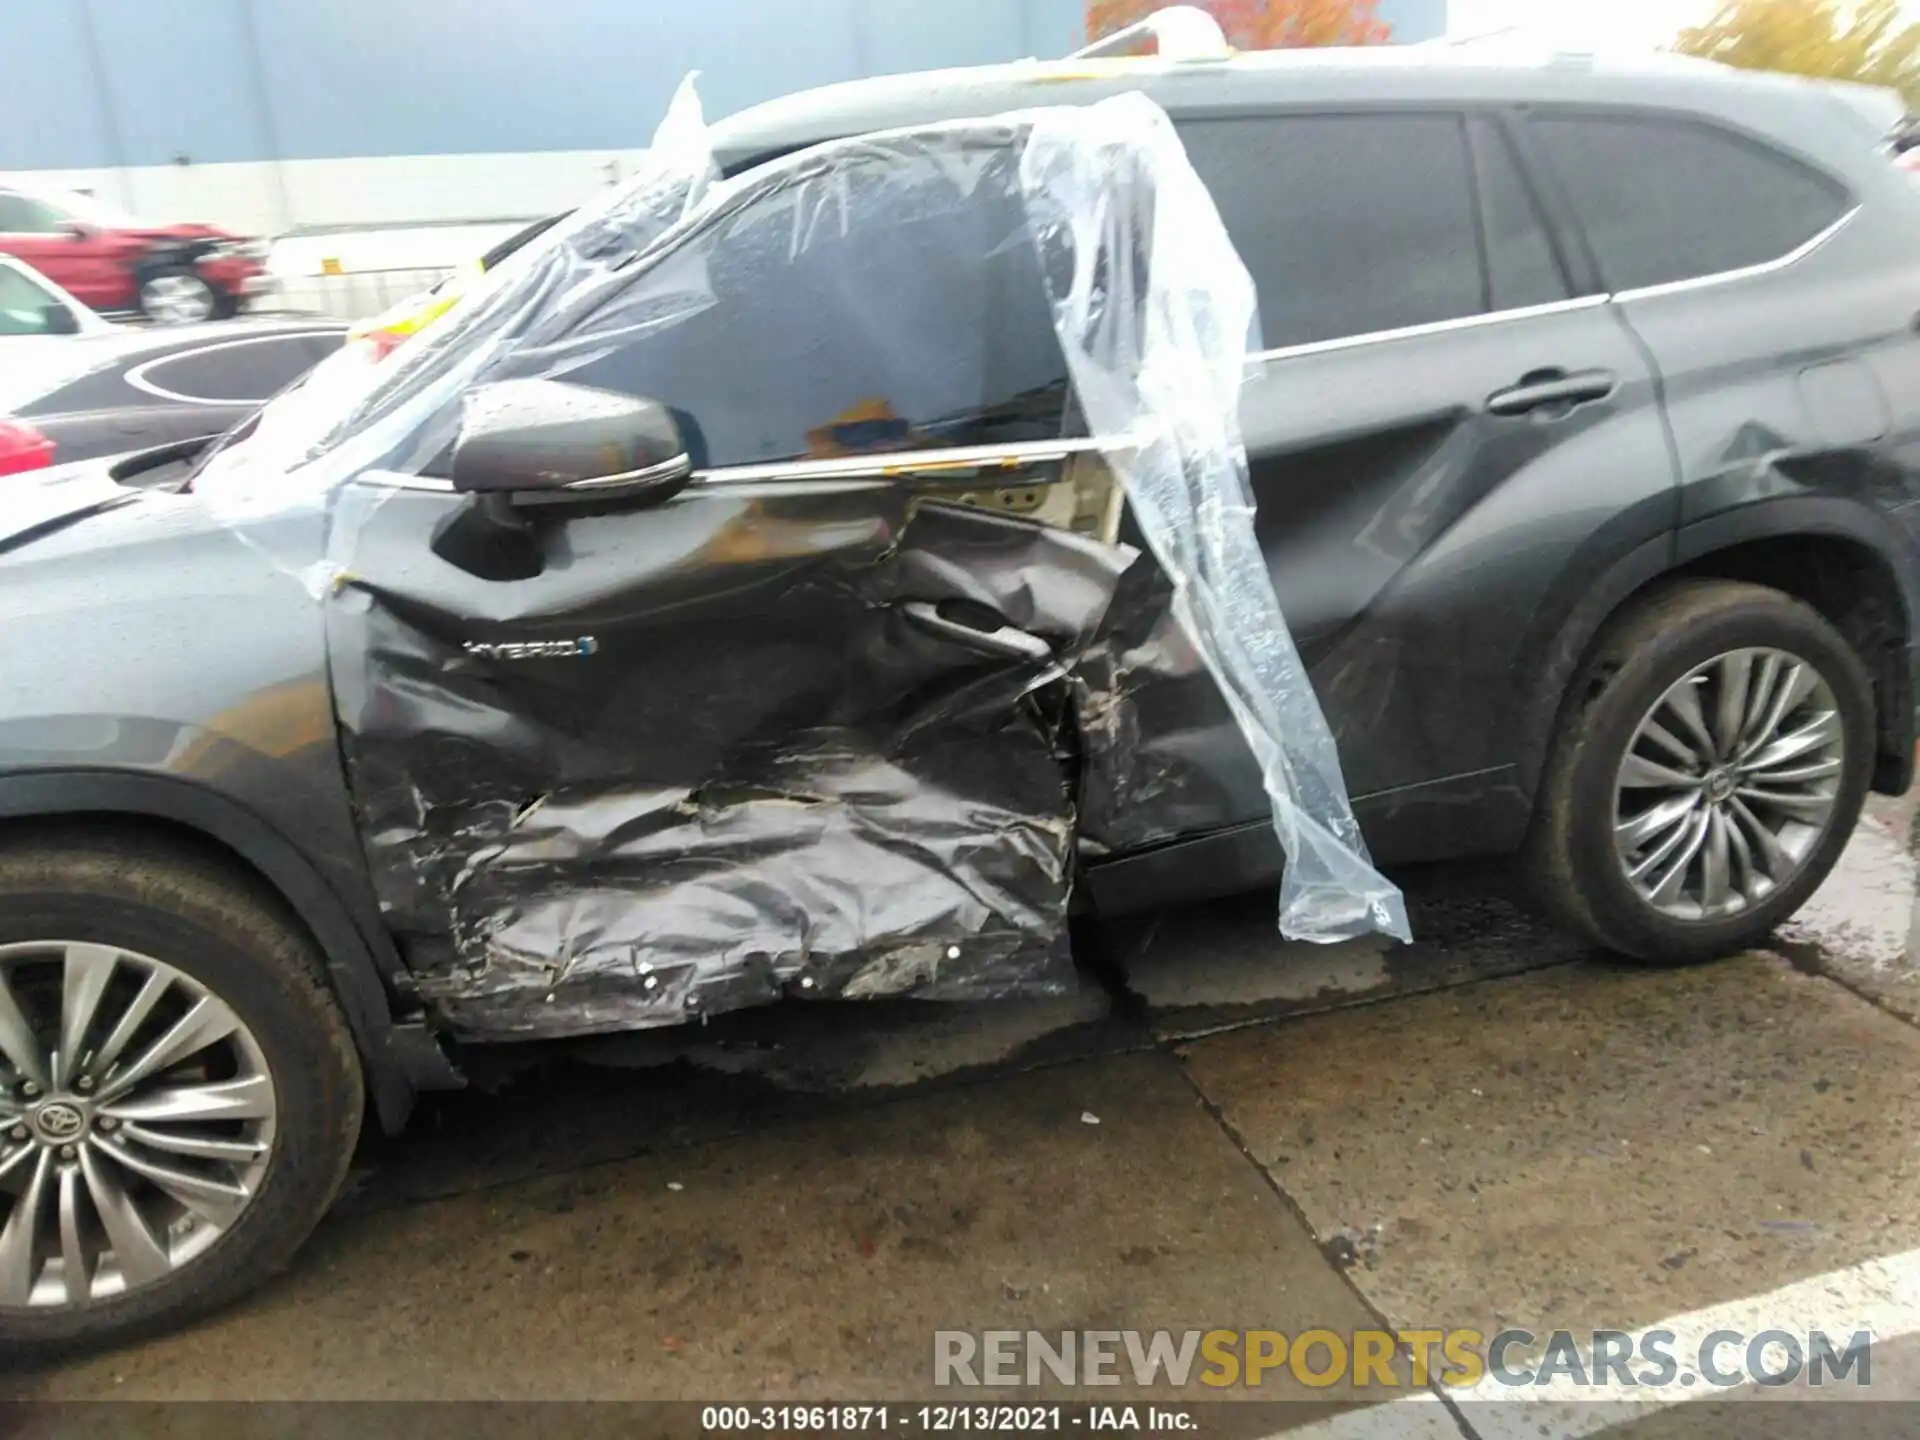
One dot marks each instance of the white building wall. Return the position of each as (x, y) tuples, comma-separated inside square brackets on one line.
[(277, 197)]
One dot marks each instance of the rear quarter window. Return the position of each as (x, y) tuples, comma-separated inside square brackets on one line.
[(1664, 199)]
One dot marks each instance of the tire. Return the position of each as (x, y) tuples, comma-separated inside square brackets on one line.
[(1680, 634), (157, 914), (177, 295)]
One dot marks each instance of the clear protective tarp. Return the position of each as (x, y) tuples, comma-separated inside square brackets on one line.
[(826, 722), (1157, 316), (366, 411)]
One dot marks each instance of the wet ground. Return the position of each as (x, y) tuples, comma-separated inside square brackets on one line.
[(1492, 1129)]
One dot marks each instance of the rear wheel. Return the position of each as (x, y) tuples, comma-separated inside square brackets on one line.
[(179, 1096), (1707, 774)]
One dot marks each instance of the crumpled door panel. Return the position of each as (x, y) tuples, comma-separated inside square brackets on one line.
[(701, 815), (1161, 757)]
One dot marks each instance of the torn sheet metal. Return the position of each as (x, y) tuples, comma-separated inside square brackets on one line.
[(812, 726), (1162, 758), (829, 801)]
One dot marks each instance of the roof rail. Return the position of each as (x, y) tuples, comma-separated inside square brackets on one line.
[(1456, 39), (1182, 32), (1517, 38)]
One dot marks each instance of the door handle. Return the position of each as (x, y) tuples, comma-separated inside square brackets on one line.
[(1541, 388), (1005, 640)]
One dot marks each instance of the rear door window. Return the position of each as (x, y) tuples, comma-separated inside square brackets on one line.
[(1350, 224), (1664, 199), (1522, 268)]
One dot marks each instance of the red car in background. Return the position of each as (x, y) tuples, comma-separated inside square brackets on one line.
[(172, 274)]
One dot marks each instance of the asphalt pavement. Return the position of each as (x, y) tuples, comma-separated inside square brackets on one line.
[(1490, 1130)]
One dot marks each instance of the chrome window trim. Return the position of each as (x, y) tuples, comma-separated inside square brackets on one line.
[(888, 466), (895, 463), (665, 469), (773, 487), (394, 480), (1748, 272), (1434, 327), (876, 468)]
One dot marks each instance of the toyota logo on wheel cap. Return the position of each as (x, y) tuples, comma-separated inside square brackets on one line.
[(59, 1122)]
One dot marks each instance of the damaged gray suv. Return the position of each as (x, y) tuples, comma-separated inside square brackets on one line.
[(764, 619)]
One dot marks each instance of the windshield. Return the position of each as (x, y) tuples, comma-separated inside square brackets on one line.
[(23, 303)]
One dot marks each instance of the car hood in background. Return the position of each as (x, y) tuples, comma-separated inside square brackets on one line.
[(37, 371), (184, 231), (188, 236)]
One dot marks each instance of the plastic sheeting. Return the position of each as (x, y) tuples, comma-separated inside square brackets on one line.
[(1157, 315), (751, 742), (364, 412)]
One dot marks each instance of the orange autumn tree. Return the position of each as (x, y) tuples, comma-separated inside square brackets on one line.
[(1261, 24)]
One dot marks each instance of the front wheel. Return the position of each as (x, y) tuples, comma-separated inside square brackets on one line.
[(177, 296), (179, 1096), (1708, 771)]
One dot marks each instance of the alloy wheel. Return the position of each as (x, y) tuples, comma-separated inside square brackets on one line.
[(176, 300), (1728, 784), (136, 1122)]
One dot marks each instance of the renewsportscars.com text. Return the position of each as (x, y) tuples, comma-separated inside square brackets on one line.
[(1397, 1359)]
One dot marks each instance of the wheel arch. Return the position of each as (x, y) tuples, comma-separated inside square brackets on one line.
[(1849, 561), (400, 1056)]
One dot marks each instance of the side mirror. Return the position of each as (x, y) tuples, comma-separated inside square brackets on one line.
[(74, 230), (57, 319), (548, 441)]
